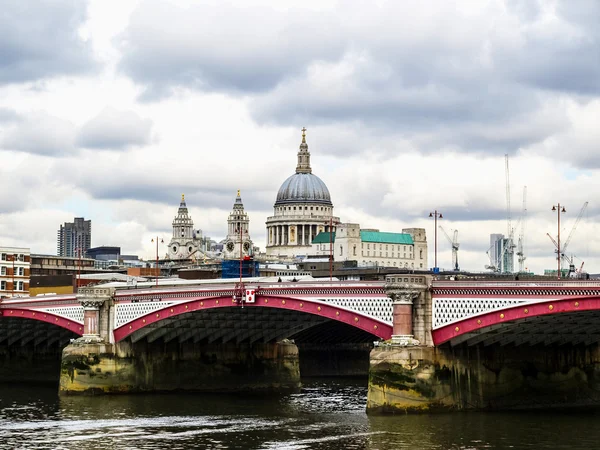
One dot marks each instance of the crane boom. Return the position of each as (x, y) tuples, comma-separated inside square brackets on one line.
[(455, 246), (564, 249)]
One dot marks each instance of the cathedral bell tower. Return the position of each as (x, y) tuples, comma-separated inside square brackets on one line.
[(183, 244), (238, 232)]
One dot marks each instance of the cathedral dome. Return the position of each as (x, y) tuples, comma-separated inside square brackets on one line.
[(303, 188)]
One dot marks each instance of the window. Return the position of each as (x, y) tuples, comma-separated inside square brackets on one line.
[(421, 255), (386, 247), (3, 257), (2, 270), (341, 250), (354, 249), (2, 285), (386, 254), (19, 285), (21, 271), (368, 246), (421, 265)]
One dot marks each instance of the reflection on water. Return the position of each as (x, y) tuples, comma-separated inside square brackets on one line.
[(325, 415)]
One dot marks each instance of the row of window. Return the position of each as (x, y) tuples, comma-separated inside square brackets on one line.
[(290, 208), (394, 247), (19, 286), (7, 257), (19, 271), (410, 256)]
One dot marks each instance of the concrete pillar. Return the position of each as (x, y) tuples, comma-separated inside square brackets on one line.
[(403, 292), (402, 321)]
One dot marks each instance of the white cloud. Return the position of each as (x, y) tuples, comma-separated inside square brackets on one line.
[(410, 107)]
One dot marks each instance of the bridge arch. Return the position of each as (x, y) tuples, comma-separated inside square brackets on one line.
[(42, 316), (322, 310), (565, 320)]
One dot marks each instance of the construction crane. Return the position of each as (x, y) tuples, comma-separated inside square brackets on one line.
[(454, 243), (563, 250), (521, 241), (508, 253)]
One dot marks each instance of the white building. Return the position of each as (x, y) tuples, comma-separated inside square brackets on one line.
[(238, 242), (186, 242), (371, 247), (302, 210), (15, 268)]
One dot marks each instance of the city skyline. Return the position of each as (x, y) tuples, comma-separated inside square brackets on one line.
[(409, 108)]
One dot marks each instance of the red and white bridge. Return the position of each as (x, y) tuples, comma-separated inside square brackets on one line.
[(456, 312), (516, 312), (317, 311)]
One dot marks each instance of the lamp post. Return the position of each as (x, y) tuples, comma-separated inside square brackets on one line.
[(435, 214), (78, 252), (330, 223), (157, 268), (559, 209)]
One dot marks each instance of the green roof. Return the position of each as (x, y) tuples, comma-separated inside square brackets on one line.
[(381, 237), (323, 238)]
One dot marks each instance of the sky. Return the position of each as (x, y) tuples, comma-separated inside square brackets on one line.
[(112, 110)]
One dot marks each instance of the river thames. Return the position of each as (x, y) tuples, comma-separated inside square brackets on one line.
[(326, 414)]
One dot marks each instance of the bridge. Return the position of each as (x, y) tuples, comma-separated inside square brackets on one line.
[(267, 312), (516, 313), (447, 344)]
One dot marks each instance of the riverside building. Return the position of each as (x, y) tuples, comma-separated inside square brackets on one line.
[(15, 266)]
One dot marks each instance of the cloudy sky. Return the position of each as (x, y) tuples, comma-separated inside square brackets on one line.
[(112, 110)]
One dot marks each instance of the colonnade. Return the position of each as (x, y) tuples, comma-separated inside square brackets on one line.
[(294, 234)]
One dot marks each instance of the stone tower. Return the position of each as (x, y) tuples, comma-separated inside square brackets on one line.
[(238, 232), (184, 244)]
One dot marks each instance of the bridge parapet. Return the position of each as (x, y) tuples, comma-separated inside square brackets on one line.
[(405, 291)]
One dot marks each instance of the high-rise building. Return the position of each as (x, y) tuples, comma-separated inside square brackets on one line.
[(74, 238), (494, 261)]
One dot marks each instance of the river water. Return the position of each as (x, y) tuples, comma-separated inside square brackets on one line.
[(326, 414)]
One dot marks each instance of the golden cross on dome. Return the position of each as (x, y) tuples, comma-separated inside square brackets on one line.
[(182, 198), (238, 192), (304, 134)]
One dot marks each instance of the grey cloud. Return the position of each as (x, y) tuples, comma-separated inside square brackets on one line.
[(8, 115), (220, 47), (431, 75), (40, 40), (40, 134), (115, 130)]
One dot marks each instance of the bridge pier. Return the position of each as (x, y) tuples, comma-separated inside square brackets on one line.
[(95, 364), (406, 376)]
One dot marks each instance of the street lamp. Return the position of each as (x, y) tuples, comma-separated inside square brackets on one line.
[(331, 223), (157, 269), (559, 209), (435, 214)]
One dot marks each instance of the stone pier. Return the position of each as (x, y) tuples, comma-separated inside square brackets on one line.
[(95, 364), (409, 375)]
